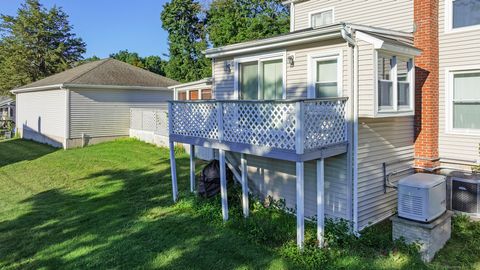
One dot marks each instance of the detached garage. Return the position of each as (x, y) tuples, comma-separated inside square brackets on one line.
[(88, 104)]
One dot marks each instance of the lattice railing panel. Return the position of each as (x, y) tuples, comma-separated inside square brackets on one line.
[(260, 123), (195, 119), (324, 123)]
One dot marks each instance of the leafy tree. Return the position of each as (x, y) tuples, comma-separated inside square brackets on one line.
[(131, 58), (187, 39), (233, 21), (151, 63), (36, 43), (89, 59)]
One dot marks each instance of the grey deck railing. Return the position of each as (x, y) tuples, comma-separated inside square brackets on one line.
[(281, 126)]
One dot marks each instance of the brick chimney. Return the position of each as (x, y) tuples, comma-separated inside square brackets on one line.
[(426, 83)]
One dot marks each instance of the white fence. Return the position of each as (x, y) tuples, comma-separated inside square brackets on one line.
[(151, 125)]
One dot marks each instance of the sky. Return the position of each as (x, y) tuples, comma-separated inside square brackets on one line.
[(107, 26)]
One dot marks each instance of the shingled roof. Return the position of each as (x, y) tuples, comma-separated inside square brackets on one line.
[(105, 72)]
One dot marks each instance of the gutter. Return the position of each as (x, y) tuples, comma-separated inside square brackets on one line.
[(206, 80), (85, 86), (38, 88)]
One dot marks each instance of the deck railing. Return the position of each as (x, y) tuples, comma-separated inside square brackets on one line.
[(295, 126)]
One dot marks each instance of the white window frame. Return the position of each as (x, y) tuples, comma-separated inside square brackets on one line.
[(310, 14), (260, 58), (313, 58), (449, 20), (396, 110), (449, 85)]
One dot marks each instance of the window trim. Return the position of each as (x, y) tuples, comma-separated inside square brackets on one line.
[(396, 110), (312, 70), (449, 20), (310, 14), (282, 55), (449, 81)]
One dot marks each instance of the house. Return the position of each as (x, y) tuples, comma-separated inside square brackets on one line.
[(87, 104), (7, 108), (358, 95)]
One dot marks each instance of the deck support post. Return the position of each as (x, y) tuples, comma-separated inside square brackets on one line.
[(173, 169), (223, 184), (192, 168), (244, 185), (300, 204), (320, 201)]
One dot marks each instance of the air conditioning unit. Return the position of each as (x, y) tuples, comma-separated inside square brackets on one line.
[(466, 196), (422, 197)]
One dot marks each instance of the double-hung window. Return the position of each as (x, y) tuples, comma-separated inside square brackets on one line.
[(321, 18), (325, 75), (462, 14), (261, 79), (395, 85), (464, 99)]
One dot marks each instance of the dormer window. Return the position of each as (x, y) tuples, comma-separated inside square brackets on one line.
[(321, 18)]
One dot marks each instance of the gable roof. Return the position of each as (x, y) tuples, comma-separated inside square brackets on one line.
[(105, 72), (5, 100)]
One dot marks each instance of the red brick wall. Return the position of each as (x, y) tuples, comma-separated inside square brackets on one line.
[(426, 83)]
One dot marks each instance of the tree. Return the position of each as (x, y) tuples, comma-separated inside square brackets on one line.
[(187, 39), (36, 43), (233, 21), (151, 63)]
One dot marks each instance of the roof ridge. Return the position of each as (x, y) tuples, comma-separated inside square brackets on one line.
[(146, 71), (103, 61)]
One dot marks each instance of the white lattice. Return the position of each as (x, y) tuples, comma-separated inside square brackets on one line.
[(195, 119), (324, 123), (260, 123), (135, 119)]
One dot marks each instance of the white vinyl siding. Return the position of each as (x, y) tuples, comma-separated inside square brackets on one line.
[(391, 14), (366, 79), (381, 140), (458, 50), (276, 178), (100, 112), (41, 116)]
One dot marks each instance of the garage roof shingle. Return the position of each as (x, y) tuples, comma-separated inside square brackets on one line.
[(105, 72)]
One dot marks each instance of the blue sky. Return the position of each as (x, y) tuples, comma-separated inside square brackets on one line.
[(108, 26)]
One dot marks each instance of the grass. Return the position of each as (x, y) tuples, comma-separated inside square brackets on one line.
[(110, 206)]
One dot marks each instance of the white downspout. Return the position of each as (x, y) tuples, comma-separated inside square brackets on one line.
[(354, 143)]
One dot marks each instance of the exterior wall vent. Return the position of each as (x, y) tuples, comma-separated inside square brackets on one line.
[(422, 197)]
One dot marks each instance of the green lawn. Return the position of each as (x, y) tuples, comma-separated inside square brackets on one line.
[(110, 206)]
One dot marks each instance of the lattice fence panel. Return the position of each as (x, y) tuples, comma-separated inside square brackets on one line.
[(324, 123), (263, 124), (195, 119), (136, 119), (148, 120)]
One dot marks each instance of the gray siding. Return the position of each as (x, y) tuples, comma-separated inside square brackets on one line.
[(41, 116), (99, 112), (222, 80), (381, 140), (391, 14), (457, 49)]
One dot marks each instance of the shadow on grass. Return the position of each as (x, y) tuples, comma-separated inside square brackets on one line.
[(130, 223), (16, 150)]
